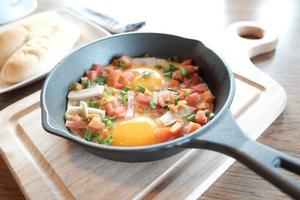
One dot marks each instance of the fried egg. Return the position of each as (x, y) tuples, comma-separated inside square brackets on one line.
[(149, 77), (139, 131)]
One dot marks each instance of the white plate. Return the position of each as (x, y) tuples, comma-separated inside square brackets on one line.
[(89, 32), (20, 9)]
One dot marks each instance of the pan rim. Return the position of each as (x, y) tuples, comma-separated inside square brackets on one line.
[(169, 144)]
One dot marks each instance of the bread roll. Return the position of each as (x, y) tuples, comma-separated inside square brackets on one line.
[(40, 53), (17, 34)]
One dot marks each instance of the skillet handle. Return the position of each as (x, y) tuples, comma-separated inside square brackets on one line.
[(227, 138)]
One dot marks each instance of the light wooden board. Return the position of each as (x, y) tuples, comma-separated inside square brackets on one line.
[(48, 167)]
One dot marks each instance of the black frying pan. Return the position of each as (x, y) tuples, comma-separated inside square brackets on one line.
[(222, 134)]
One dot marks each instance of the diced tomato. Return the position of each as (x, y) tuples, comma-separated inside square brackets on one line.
[(194, 99), (124, 81), (200, 88), (92, 75), (128, 74), (204, 106), (195, 79), (105, 133), (76, 118), (186, 62), (160, 111), (109, 109), (142, 98), (139, 109), (114, 74), (115, 84), (174, 84), (190, 68), (208, 96), (192, 127), (161, 101), (177, 75), (164, 134), (186, 82), (75, 124), (201, 117), (95, 124), (114, 78), (99, 69), (120, 111), (177, 129), (166, 96), (181, 94), (125, 60)]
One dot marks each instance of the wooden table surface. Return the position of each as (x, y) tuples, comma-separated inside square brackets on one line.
[(283, 65)]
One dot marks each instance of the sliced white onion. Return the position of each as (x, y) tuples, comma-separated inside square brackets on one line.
[(185, 111), (169, 118), (84, 108), (73, 110), (71, 103), (130, 105), (154, 97), (95, 91)]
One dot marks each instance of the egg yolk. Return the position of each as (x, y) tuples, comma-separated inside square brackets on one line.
[(135, 132), (150, 78)]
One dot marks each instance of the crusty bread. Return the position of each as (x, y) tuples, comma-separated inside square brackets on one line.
[(40, 53), (17, 34)]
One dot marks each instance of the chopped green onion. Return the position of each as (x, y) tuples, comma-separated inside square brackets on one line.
[(147, 74), (125, 98), (76, 86), (187, 93), (158, 66), (123, 92), (175, 59), (127, 88), (168, 74), (105, 77), (176, 98), (191, 117), (113, 118), (172, 68), (98, 81), (173, 90), (152, 105), (184, 72), (140, 88), (121, 63), (86, 83), (88, 135), (109, 124), (106, 141), (109, 90), (146, 55), (94, 104), (209, 114)]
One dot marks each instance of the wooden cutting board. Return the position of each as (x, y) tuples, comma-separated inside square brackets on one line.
[(49, 167)]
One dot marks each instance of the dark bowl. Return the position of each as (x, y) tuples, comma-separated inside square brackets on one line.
[(55, 89)]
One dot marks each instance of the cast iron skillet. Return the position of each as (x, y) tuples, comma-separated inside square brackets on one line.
[(222, 134)]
